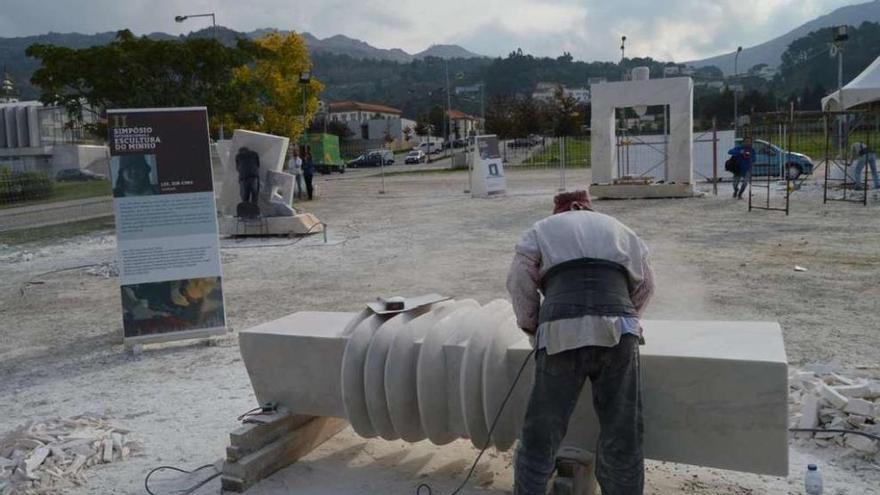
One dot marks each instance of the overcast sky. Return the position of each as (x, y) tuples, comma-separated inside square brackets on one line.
[(590, 29)]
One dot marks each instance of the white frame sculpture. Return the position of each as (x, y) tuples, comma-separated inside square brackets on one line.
[(677, 93)]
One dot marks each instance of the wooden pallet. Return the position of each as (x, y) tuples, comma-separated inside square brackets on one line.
[(270, 442)]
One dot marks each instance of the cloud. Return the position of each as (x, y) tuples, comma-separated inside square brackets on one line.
[(589, 29)]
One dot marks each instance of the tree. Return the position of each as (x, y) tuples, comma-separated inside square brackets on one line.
[(139, 72), (423, 128), (274, 99), (564, 113), (340, 129)]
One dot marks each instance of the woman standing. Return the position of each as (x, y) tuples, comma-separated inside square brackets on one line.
[(308, 170)]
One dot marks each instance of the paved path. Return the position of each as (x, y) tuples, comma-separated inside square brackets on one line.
[(60, 212)]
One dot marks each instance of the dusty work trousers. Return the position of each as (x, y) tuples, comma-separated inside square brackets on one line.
[(309, 188), (617, 400)]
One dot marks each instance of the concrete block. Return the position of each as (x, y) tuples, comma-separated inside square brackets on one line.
[(832, 396), (857, 391), (860, 407), (809, 413), (635, 191), (861, 444)]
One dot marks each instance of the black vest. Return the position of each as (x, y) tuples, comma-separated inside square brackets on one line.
[(585, 286)]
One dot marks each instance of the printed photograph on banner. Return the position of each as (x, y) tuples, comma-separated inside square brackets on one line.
[(172, 306), (489, 148), (134, 175)]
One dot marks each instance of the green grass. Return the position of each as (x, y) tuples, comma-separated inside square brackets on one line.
[(577, 154), (66, 191), (56, 233)]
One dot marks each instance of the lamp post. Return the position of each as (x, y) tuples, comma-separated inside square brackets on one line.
[(181, 18), (840, 37), (304, 78), (736, 90)]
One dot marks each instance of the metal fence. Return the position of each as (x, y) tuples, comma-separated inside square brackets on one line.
[(547, 162)]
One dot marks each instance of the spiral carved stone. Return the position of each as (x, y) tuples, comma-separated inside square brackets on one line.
[(401, 380)]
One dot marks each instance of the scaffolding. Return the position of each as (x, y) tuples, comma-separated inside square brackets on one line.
[(851, 140)]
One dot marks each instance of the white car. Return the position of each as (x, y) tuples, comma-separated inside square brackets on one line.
[(415, 156)]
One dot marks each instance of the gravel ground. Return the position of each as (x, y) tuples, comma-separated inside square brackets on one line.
[(60, 352)]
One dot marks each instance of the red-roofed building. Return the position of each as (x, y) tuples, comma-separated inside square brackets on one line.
[(462, 124), (347, 111), (379, 124)]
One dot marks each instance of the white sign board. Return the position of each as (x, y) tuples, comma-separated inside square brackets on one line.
[(167, 243), (487, 174)]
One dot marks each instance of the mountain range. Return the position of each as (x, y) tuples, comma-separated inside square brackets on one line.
[(770, 52)]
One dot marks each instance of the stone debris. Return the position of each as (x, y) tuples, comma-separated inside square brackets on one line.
[(50, 457), (826, 400)]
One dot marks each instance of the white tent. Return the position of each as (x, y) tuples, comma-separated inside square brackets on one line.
[(865, 88)]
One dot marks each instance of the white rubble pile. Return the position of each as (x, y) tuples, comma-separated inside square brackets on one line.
[(827, 400), (51, 456)]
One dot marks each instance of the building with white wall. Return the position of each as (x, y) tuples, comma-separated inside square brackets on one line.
[(547, 92), (34, 137)]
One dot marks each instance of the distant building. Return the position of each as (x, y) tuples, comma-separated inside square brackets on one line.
[(596, 80), (547, 92), (34, 137), (355, 111), (462, 124), (376, 124), (463, 90)]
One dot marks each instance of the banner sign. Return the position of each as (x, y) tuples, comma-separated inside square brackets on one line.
[(167, 243), (487, 176)]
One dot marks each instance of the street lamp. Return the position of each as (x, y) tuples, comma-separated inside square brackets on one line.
[(181, 18), (304, 78), (736, 89)]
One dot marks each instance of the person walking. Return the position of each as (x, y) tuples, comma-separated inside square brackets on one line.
[(744, 154), (294, 167), (308, 170), (864, 156), (596, 280)]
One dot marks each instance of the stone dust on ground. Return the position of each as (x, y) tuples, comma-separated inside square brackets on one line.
[(60, 353)]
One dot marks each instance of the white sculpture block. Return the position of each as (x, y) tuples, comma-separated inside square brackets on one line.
[(715, 393), (272, 150), (677, 93)]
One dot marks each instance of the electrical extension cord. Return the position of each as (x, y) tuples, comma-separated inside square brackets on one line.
[(427, 487), (424, 487)]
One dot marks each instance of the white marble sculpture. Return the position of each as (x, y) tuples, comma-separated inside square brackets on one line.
[(678, 94), (715, 393), (272, 151), (276, 188)]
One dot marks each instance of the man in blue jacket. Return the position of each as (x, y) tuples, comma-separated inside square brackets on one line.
[(745, 158)]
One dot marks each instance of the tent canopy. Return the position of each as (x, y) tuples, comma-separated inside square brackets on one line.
[(865, 88)]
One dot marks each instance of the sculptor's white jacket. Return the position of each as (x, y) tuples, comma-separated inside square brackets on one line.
[(570, 236)]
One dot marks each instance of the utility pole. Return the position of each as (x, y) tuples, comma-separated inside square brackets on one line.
[(448, 104), (840, 37), (736, 91)]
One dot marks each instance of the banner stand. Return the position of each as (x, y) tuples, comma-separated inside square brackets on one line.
[(487, 174), (167, 236)]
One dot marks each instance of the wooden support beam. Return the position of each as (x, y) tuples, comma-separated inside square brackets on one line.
[(257, 451)]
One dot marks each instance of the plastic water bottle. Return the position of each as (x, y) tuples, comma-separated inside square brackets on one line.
[(813, 480)]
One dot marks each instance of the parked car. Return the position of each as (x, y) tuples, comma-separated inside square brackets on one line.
[(388, 155), (373, 159), (415, 156), (77, 175), (520, 143), (773, 161)]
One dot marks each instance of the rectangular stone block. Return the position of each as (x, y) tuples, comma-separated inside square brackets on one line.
[(715, 393)]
